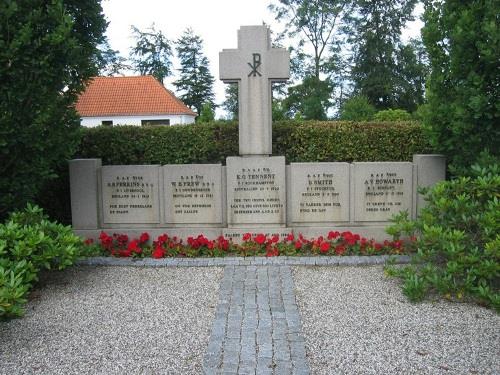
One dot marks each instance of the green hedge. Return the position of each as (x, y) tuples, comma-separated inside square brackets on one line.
[(298, 141), (211, 143)]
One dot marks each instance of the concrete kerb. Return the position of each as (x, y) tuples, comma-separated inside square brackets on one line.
[(247, 261)]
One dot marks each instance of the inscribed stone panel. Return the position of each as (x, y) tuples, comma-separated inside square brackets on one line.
[(130, 194), (382, 189), (319, 192), (193, 193)]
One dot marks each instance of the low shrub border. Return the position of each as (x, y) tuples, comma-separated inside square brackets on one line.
[(335, 243)]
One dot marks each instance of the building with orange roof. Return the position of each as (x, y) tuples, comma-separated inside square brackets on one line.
[(138, 100)]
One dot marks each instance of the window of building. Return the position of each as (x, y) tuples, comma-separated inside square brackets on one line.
[(107, 123), (159, 122)]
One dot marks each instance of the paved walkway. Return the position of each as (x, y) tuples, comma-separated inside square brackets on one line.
[(257, 328)]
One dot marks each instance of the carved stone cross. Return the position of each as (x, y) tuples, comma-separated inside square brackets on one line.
[(254, 65)]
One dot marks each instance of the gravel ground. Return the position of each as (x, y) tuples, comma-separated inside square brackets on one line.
[(357, 321), (113, 320)]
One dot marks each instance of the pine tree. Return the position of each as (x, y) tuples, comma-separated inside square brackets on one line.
[(152, 53), (195, 83), (375, 33), (231, 102)]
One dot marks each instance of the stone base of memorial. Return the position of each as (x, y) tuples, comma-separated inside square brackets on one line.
[(258, 195)]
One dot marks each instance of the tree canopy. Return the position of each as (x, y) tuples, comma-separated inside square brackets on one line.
[(463, 40), (47, 52), (195, 83), (152, 53)]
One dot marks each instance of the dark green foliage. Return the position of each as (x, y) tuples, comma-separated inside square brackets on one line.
[(458, 240), (392, 115), (316, 23), (109, 61), (344, 141), (311, 99), (28, 244), (385, 71), (463, 42), (47, 51), (357, 108), (152, 53), (195, 81), (231, 102), (307, 141), (207, 114)]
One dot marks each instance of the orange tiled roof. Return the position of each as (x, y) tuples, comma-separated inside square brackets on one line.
[(128, 96)]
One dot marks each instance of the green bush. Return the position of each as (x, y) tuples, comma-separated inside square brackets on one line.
[(307, 141), (357, 108), (392, 115), (458, 245), (29, 243)]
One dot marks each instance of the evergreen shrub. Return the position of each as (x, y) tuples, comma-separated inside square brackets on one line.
[(29, 242), (458, 240)]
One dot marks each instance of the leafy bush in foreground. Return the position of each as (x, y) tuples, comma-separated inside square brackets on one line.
[(458, 245), (28, 244)]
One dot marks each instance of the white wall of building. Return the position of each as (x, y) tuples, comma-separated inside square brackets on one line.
[(91, 122)]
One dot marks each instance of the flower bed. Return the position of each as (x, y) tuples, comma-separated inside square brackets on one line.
[(336, 243)]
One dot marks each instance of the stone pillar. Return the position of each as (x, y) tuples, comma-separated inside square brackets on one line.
[(430, 170), (84, 193)]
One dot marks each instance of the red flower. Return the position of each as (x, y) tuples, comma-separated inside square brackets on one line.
[(210, 245), (158, 252), (290, 237), (144, 238), (88, 241), (339, 249), (275, 238), (106, 241), (333, 235), (260, 239), (324, 247), (247, 237), (162, 239), (133, 247), (272, 252), (222, 243), (122, 240), (125, 253), (298, 245)]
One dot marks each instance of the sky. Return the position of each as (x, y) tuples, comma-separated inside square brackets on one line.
[(215, 21)]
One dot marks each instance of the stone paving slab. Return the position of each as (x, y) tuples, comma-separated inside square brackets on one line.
[(257, 327)]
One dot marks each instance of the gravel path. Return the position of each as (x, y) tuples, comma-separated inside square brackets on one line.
[(356, 321), (114, 320)]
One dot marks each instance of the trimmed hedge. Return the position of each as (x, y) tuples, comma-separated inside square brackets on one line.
[(308, 141), (298, 141)]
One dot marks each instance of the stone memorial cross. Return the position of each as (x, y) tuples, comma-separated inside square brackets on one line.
[(254, 65)]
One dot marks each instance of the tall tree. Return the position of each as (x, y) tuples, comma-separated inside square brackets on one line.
[(310, 99), (463, 40), (412, 69), (151, 53), (195, 82), (376, 27), (109, 61), (231, 102), (47, 51), (313, 21), (318, 25)]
